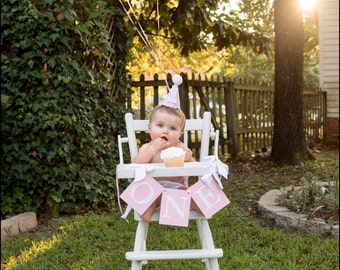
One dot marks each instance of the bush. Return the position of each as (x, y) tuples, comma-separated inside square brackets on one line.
[(61, 117)]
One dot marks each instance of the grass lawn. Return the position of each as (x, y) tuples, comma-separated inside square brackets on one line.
[(100, 240)]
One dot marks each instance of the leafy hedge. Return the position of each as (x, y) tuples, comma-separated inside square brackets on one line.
[(60, 112)]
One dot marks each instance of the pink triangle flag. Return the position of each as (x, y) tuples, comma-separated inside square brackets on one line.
[(209, 198), (175, 207)]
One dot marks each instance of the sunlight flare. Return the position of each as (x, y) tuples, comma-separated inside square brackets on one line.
[(307, 4)]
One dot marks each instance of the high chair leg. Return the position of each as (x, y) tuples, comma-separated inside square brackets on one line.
[(207, 242), (140, 243)]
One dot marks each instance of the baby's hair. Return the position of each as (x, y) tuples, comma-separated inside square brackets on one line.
[(177, 112)]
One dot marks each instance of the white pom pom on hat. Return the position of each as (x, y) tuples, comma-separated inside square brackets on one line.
[(172, 99), (177, 79)]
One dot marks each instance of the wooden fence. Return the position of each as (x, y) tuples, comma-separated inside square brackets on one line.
[(243, 112)]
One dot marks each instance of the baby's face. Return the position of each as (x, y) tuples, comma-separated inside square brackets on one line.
[(166, 126)]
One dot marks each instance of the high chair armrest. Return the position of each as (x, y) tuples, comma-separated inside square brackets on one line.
[(158, 169), (216, 136), (121, 140)]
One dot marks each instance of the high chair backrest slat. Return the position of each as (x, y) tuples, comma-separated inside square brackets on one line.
[(202, 125), (133, 126)]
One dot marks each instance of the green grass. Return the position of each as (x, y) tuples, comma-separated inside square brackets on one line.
[(99, 241)]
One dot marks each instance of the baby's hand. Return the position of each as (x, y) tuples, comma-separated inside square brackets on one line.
[(188, 155), (159, 144)]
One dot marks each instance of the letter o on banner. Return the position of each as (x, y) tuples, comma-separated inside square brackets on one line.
[(139, 195), (141, 186)]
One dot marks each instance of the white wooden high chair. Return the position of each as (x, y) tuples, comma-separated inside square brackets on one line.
[(140, 255)]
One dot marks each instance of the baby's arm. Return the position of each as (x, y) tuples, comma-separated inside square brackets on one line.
[(145, 154)]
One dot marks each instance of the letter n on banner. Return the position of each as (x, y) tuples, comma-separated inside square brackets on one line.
[(209, 198), (175, 207), (139, 195)]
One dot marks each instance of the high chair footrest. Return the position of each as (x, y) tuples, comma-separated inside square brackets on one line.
[(174, 254)]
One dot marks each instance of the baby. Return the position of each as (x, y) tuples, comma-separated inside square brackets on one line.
[(165, 128)]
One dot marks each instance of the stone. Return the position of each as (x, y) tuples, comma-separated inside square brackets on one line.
[(27, 221), (335, 231), (288, 220), (18, 224), (9, 227)]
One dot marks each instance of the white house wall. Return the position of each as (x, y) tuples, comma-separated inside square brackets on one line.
[(329, 53)]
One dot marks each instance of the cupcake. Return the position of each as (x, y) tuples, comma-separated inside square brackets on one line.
[(173, 157)]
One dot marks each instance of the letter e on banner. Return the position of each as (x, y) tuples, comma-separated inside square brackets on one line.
[(175, 207), (139, 195), (210, 199)]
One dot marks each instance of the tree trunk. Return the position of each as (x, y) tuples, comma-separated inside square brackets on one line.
[(288, 141)]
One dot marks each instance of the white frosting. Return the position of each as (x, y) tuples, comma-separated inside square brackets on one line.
[(172, 152)]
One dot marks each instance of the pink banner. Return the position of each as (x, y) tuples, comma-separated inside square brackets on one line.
[(175, 204), (175, 207)]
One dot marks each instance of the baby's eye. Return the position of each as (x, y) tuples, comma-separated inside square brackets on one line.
[(173, 128), (159, 125)]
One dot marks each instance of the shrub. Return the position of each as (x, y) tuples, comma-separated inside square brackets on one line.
[(61, 119)]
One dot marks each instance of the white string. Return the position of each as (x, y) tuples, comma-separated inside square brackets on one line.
[(140, 27), (144, 37), (141, 32), (159, 48), (158, 27)]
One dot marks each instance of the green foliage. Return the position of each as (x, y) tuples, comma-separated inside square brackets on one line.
[(61, 121), (193, 25), (238, 43)]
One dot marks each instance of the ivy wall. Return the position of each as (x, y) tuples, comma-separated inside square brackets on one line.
[(62, 104)]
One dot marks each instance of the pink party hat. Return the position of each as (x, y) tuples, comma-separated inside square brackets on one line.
[(172, 99)]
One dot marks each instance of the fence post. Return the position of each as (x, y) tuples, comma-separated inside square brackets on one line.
[(142, 98), (184, 95), (231, 119), (155, 91), (324, 113)]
